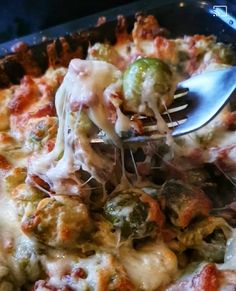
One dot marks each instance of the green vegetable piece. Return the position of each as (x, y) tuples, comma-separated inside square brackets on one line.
[(184, 202), (63, 222), (26, 199), (103, 52), (39, 131), (42, 130), (129, 214), (27, 260), (85, 125), (15, 177), (145, 79)]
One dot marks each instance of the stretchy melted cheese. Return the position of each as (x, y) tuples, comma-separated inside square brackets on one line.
[(151, 267), (87, 88)]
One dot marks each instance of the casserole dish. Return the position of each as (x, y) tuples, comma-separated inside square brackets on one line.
[(81, 216)]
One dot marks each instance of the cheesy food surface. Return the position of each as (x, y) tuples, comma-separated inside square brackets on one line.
[(82, 210)]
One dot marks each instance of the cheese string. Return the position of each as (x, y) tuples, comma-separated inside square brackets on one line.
[(87, 87)]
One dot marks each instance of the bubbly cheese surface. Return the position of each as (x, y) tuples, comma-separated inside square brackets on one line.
[(151, 267)]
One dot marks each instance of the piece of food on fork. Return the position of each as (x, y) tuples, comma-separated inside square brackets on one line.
[(92, 99)]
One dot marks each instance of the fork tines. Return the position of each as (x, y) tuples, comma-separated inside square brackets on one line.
[(174, 116)]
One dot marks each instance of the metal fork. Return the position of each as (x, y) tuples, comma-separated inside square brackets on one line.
[(196, 102)]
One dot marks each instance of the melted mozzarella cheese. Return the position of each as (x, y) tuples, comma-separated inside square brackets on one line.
[(17, 252), (150, 97), (100, 270), (9, 226), (87, 86), (122, 122), (151, 267)]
